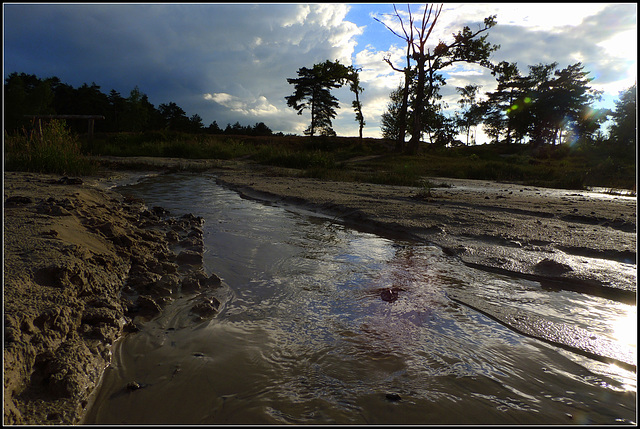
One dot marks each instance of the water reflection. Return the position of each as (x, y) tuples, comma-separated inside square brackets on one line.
[(308, 339), (625, 326)]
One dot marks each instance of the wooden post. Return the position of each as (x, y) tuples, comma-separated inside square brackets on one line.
[(91, 122)]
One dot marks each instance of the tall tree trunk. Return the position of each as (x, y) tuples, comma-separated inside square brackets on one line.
[(468, 131), (402, 116), (313, 114), (360, 116), (414, 143)]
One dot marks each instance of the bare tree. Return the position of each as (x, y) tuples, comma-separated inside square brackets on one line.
[(466, 47), (418, 54), (408, 38)]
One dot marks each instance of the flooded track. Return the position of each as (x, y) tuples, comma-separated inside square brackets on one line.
[(325, 324)]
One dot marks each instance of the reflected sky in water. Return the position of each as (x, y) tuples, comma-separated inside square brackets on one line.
[(307, 338)]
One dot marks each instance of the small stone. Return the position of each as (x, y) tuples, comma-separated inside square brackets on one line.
[(550, 267), (208, 307), (189, 257), (393, 397), (18, 200), (389, 295), (70, 181), (134, 385)]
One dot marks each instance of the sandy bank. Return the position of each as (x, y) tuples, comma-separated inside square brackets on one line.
[(81, 267)]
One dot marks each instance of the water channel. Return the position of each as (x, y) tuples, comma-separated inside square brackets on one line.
[(305, 338)]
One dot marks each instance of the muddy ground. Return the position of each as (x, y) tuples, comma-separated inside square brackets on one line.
[(84, 265), (573, 239)]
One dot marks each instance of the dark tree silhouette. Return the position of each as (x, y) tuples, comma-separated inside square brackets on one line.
[(355, 87), (467, 46), (507, 104), (312, 92), (174, 117), (26, 94), (400, 115), (393, 116), (624, 129), (214, 128), (542, 105), (432, 118), (140, 114), (471, 110), (261, 129), (195, 123), (118, 107)]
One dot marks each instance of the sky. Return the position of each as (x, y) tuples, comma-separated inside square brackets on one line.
[(229, 62)]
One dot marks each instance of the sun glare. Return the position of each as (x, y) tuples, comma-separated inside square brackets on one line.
[(623, 45), (625, 328)]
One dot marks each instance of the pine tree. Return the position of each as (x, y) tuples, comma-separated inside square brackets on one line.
[(471, 114), (312, 92), (624, 129)]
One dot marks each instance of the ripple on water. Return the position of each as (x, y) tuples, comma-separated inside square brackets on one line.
[(307, 338)]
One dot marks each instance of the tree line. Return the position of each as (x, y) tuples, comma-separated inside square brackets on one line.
[(547, 106), (27, 94)]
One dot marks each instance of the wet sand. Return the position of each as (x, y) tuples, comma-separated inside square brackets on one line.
[(570, 239), (71, 246), (83, 266)]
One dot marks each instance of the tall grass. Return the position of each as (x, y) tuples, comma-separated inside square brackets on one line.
[(55, 150), (300, 159), (170, 144), (326, 158)]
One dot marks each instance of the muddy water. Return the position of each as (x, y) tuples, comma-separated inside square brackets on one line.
[(306, 338)]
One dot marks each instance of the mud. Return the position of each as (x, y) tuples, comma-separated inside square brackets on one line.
[(565, 239), (84, 266)]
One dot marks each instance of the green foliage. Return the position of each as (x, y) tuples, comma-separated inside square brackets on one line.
[(55, 151), (170, 144), (372, 161), (624, 129), (543, 106)]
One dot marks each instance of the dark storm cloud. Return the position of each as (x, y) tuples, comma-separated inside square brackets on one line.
[(176, 52)]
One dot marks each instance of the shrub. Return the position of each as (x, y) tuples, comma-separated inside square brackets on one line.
[(294, 159), (55, 150)]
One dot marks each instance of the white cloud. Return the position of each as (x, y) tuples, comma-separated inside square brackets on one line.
[(259, 106), (300, 16)]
